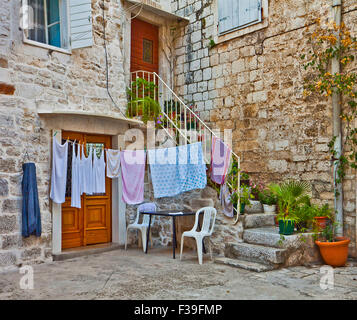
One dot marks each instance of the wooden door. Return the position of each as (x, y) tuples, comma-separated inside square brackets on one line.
[(144, 46), (92, 223)]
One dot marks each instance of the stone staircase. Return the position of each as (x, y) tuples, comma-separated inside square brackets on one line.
[(263, 249), (258, 251)]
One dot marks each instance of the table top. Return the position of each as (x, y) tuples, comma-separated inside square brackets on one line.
[(171, 213)]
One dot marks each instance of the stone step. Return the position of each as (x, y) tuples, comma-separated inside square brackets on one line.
[(254, 253), (247, 265), (270, 237), (256, 220)]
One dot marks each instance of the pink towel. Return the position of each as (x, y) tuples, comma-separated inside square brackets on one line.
[(133, 172), (220, 158)]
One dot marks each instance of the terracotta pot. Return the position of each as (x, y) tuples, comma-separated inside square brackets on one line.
[(334, 253), (320, 222)]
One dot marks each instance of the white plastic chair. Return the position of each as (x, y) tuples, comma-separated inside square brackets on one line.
[(209, 218), (143, 226)]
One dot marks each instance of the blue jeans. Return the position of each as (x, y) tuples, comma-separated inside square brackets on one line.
[(31, 216)]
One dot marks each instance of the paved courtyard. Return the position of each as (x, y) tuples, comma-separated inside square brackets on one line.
[(131, 274)]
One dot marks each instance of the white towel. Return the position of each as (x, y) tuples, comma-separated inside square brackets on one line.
[(113, 163)]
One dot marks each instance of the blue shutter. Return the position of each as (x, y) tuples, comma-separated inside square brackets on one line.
[(225, 15), (249, 12), (81, 23), (234, 14)]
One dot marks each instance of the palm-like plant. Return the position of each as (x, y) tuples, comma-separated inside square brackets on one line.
[(290, 195)]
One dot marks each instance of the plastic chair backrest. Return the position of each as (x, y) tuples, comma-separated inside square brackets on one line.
[(145, 207), (209, 218)]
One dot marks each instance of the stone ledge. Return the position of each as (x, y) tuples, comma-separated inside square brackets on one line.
[(246, 265), (85, 251)]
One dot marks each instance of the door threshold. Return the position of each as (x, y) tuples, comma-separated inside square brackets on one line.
[(85, 251)]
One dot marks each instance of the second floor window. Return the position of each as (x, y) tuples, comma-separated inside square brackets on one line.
[(238, 14), (47, 26), (65, 24)]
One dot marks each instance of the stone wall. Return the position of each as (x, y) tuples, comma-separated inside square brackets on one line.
[(34, 78), (224, 230), (253, 85)]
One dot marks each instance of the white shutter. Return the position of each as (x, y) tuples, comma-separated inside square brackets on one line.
[(80, 12), (225, 15), (249, 12)]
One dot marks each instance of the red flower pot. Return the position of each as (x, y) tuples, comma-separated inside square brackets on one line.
[(320, 222)]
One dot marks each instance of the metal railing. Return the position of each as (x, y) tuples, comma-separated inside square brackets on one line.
[(182, 124)]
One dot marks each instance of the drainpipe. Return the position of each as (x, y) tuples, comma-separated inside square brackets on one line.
[(337, 132)]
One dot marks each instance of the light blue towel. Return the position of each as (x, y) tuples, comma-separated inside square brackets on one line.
[(177, 170)]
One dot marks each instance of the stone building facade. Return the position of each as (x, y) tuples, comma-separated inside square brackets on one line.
[(251, 81), (43, 90)]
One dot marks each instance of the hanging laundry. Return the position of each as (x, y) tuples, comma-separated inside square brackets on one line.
[(177, 170), (87, 172), (133, 173), (113, 163), (31, 216), (220, 157), (99, 173), (59, 171), (76, 177), (225, 200)]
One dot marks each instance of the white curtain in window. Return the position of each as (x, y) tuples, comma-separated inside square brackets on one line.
[(38, 32)]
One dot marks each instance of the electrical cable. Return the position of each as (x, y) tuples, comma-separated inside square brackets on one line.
[(106, 62)]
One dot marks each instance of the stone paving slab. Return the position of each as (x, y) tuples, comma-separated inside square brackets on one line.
[(131, 274)]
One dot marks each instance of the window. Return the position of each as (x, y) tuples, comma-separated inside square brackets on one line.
[(48, 19), (63, 24), (238, 14), (147, 51)]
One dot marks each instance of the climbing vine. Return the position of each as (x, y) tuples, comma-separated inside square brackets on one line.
[(329, 42)]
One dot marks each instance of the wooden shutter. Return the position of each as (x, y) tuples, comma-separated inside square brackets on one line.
[(81, 23), (225, 15), (249, 12), (234, 14)]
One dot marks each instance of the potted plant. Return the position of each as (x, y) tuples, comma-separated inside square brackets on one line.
[(290, 195), (321, 215), (244, 179), (268, 200), (305, 214), (244, 197), (287, 223), (333, 249), (142, 103)]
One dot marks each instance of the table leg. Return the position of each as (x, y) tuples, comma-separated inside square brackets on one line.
[(147, 235), (203, 243), (173, 236)]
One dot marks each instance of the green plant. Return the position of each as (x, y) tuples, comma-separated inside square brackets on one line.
[(290, 194), (142, 100), (267, 197), (322, 211), (330, 43), (327, 234), (212, 44), (244, 196)]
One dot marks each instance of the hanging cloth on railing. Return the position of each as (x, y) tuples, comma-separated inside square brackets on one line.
[(220, 158), (76, 177), (113, 163), (177, 170), (133, 174), (225, 200), (59, 171)]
